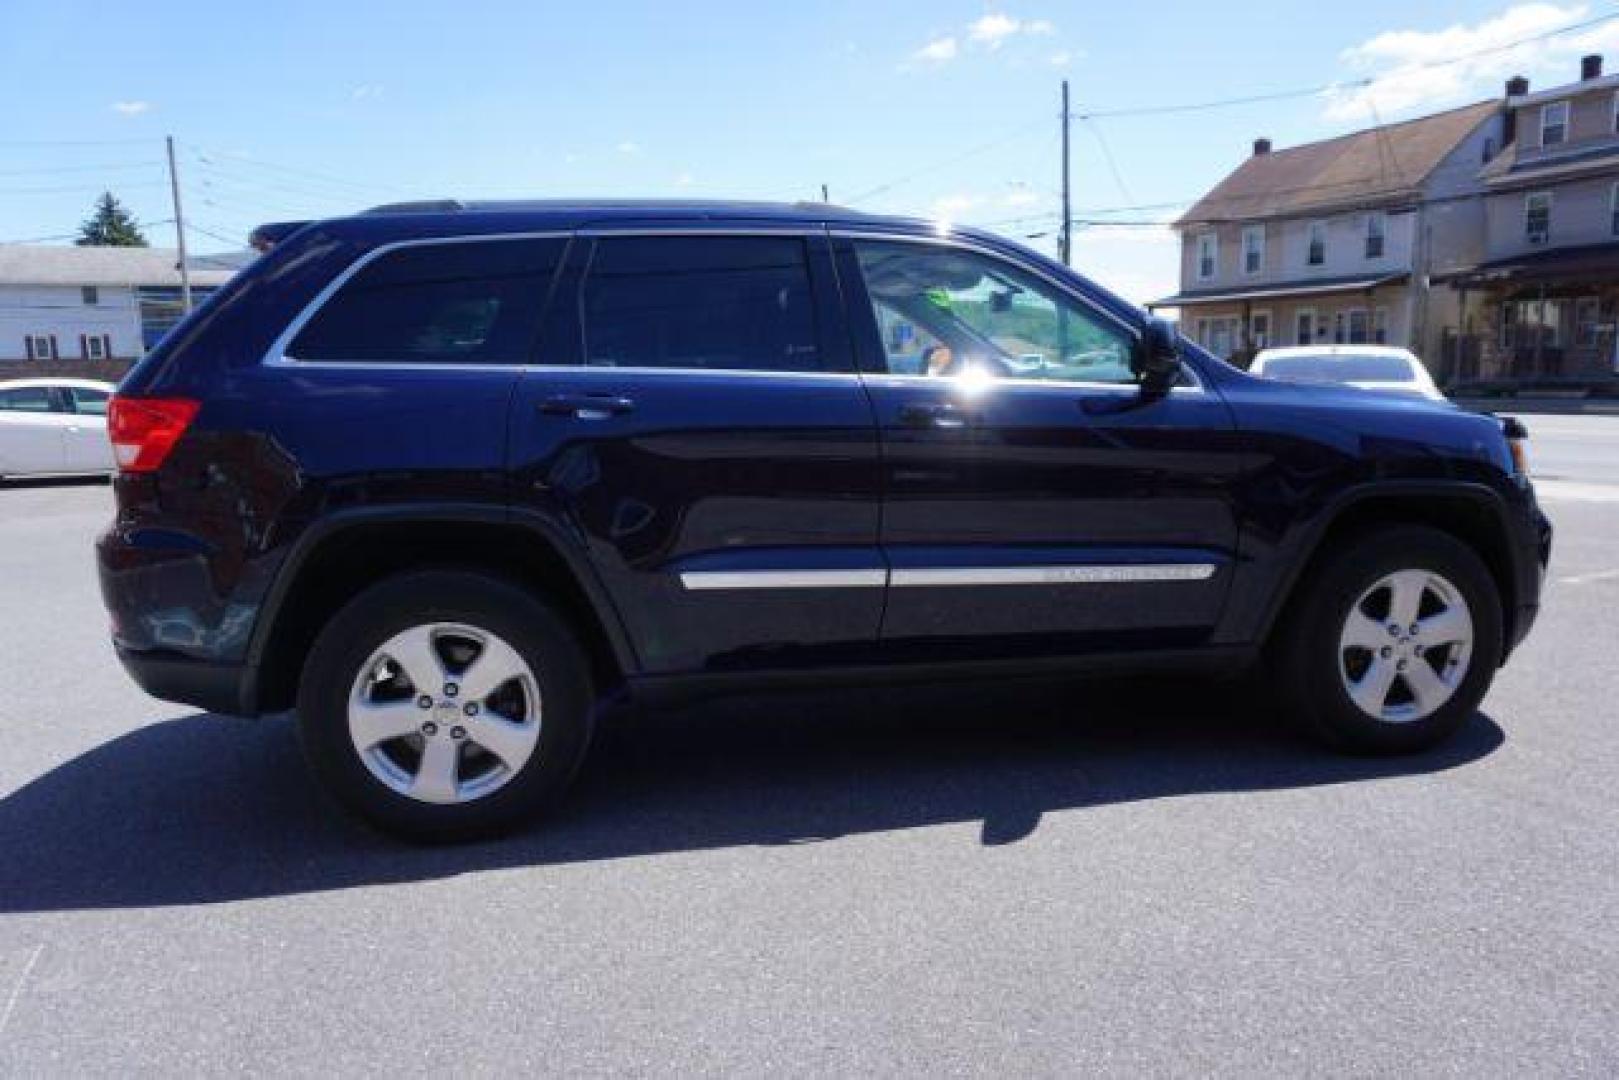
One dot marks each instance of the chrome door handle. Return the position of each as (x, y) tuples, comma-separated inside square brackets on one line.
[(933, 416), (587, 406)]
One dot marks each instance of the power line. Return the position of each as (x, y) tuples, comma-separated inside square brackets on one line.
[(974, 151), (1353, 84), (56, 169), (78, 188)]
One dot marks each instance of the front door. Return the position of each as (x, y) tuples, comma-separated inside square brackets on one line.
[(1035, 500), (694, 413)]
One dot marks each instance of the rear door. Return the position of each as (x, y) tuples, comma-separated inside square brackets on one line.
[(33, 435), (1036, 501), (694, 414)]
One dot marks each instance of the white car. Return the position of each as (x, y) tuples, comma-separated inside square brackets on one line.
[(54, 427), (1370, 367)]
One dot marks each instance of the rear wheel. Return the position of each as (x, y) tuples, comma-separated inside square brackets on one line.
[(445, 705), (1393, 644)]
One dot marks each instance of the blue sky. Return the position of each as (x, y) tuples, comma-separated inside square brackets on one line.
[(306, 109)]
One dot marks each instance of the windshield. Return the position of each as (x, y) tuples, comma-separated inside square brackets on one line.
[(1344, 369)]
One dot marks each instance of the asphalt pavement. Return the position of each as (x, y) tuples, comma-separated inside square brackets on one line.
[(1104, 878)]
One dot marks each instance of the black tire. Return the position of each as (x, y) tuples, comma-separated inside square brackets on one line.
[(543, 639), (1305, 653)]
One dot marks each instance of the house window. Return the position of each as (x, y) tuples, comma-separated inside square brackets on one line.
[(95, 346), (1253, 249), (1203, 332), (1317, 253), (1587, 321), (1376, 230), (90, 295), (1304, 327), (1525, 321), (1259, 330), (1554, 123), (1208, 252), (1537, 216), (41, 346), (1380, 326), (1357, 326)]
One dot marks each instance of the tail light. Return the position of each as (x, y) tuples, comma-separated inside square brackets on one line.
[(144, 430)]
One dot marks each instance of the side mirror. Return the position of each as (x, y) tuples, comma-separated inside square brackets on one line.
[(1157, 362)]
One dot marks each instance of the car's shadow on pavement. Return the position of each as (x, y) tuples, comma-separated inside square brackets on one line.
[(203, 809)]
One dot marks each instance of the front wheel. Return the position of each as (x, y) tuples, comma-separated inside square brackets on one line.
[(445, 705), (1393, 643)]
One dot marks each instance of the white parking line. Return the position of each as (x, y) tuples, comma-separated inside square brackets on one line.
[(16, 991), (1586, 579), (1574, 491)]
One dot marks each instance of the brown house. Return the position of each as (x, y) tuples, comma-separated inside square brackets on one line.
[(1338, 240), (1542, 305)]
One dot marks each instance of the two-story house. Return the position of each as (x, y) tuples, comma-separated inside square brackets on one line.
[(92, 310), (1336, 241), (1543, 302)]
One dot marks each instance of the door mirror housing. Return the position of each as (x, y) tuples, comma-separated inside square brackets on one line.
[(1157, 360)]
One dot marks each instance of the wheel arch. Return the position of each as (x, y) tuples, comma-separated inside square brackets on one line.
[(1472, 513), (334, 560)]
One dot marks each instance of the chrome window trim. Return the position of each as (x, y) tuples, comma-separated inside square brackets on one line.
[(968, 244), (276, 355), (953, 576)]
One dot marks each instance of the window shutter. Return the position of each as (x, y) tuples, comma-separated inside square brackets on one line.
[(28, 343), (106, 346), (84, 346)]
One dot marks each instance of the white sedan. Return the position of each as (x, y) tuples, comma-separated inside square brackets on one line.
[(1370, 367), (54, 427)]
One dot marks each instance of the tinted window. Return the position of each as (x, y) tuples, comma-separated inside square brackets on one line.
[(944, 312), (476, 302), (26, 399), (724, 303), (1339, 368), (93, 402)]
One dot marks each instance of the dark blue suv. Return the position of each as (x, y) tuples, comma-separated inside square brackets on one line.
[(440, 476)]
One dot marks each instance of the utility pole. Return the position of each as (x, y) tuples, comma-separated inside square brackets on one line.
[(179, 229), (826, 196), (1066, 243)]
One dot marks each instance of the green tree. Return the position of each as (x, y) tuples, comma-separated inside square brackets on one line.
[(110, 225)]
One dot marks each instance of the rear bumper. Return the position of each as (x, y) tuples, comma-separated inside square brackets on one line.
[(216, 687)]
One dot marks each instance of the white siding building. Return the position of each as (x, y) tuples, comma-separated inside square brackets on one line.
[(64, 306)]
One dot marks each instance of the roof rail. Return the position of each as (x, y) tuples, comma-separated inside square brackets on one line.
[(419, 206), (271, 233)]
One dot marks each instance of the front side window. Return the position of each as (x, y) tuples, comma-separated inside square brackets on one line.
[(1316, 255), (1537, 217), (988, 318), (720, 303), (1554, 123), (1376, 231), (1208, 255), (466, 302), (1253, 249)]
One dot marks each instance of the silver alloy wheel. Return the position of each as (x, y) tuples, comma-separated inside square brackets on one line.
[(444, 713), (1406, 646)]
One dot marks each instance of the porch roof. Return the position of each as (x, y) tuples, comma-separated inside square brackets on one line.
[(1275, 290), (1586, 264)]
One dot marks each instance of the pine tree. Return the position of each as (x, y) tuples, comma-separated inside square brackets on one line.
[(110, 226)]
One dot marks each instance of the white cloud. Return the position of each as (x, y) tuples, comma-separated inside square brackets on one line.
[(685, 179), (1400, 63), (993, 29), (1061, 58), (131, 108), (366, 92), (938, 51), (953, 206), (1041, 27), (1021, 197), (628, 147)]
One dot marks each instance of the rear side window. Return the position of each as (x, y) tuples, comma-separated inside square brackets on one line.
[(723, 303), (475, 302), (87, 401)]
